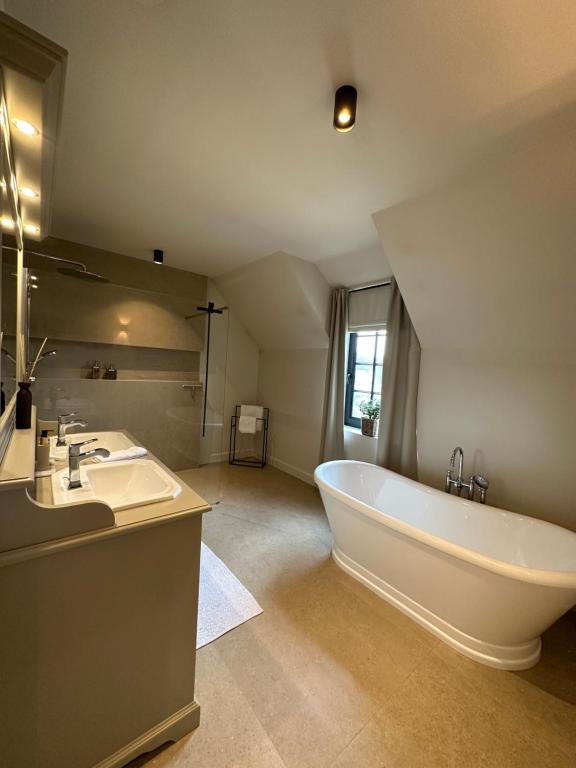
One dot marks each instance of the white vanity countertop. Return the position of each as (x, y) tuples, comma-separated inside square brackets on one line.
[(187, 502), (32, 526)]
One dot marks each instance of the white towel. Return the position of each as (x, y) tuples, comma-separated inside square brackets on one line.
[(128, 453), (248, 422)]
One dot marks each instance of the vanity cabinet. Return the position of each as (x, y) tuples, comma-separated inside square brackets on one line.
[(98, 632)]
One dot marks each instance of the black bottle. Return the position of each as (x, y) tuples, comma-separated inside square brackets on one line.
[(24, 405)]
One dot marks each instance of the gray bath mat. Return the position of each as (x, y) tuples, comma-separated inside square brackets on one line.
[(224, 603)]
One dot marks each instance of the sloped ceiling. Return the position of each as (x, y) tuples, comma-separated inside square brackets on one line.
[(281, 300), (204, 128), (489, 260)]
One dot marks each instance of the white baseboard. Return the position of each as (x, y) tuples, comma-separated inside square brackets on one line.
[(290, 469), (173, 728)]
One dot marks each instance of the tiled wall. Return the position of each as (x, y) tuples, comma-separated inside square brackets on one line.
[(137, 323)]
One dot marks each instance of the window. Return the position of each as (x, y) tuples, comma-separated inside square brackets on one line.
[(364, 375)]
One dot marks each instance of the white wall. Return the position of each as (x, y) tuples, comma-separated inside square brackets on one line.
[(514, 416), (358, 446), (283, 301), (291, 383), (486, 266), (233, 377)]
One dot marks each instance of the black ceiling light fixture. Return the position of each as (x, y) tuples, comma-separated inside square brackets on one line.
[(345, 108), (158, 256)]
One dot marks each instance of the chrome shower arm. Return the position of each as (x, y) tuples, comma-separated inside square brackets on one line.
[(78, 264)]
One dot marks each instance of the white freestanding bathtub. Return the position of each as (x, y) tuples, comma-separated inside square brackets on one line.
[(486, 581)]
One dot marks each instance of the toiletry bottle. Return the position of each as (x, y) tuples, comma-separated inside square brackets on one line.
[(24, 405), (43, 452), (96, 370)]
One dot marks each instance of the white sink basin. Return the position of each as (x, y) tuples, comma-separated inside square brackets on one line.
[(113, 441), (120, 484)]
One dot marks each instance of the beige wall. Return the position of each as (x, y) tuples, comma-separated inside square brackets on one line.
[(515, 417), (137, 322), (144, 304), (486, 266), (291, 384)]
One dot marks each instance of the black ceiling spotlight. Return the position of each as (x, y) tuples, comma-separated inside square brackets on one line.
[(345, 108), (158, 256)]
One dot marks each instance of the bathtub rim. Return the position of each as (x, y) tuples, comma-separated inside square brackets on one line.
[(544, 578)]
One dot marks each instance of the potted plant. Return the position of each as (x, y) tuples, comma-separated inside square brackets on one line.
[(370, 410)]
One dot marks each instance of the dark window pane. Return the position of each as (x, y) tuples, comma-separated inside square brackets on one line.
[(365, 348)]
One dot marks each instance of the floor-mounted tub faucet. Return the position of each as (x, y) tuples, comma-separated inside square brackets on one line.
[(75, 457), (458, 482), (474, 481)]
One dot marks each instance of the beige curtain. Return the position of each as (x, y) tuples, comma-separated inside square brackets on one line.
[(332, 444), (396, 449)]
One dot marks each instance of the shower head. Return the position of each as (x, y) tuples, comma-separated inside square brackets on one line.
[(82, 274), (48, 354), (76, 268)]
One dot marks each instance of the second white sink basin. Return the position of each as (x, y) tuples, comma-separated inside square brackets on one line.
[(119, 484), (113, 441)]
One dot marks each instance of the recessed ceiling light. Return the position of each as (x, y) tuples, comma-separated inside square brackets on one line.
[(31, 229), (7, 223), (25, 127), (27, 192)]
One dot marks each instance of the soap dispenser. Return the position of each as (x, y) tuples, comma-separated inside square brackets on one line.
[(43, 452)]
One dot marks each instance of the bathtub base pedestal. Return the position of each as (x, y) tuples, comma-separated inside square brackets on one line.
[(515, 657)]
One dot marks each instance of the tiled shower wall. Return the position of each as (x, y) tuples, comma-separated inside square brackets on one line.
[(137, 323)]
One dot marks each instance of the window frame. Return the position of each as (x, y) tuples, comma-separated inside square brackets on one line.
[(349, 420)]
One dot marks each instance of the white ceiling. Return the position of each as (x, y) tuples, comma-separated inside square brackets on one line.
[(204, 128)]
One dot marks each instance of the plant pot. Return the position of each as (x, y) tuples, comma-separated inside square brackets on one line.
[(370, 427)]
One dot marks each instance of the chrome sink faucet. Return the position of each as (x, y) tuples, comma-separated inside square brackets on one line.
[(65, 422), (474, 481), (75, 457)]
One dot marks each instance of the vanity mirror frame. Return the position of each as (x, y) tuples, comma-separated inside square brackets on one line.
[(26, 53), (13, 202)]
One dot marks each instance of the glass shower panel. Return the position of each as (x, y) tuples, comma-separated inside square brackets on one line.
[(156, 395)]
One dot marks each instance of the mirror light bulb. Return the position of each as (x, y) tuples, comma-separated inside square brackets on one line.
[(25, 127), (27, 192)]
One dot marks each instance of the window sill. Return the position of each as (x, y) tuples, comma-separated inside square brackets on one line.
[(357, 431)]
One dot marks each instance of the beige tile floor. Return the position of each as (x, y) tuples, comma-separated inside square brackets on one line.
[(331, 675)]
